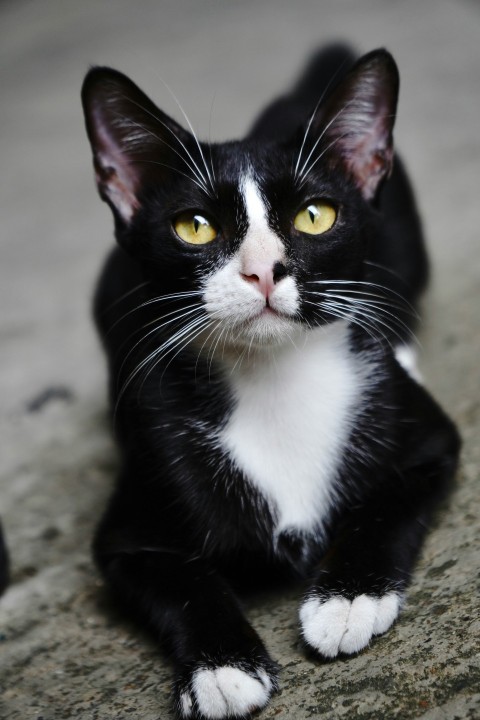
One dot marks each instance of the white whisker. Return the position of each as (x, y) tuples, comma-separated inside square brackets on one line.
[(124, 296), (190, 338), (320, 100), (160, 298), (192, 131), (367, 284), (157, 328), (364, 313), (378, 306), (157, 355), (303, 173), (171, 167), (344, 314), (194, 168), (373, 305)]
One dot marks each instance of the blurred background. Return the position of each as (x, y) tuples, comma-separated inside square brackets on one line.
[(60, 650)]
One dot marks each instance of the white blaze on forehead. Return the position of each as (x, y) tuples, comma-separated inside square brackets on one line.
[(261, 243)]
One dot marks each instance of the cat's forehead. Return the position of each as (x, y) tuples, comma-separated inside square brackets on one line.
[(257, 213), (266, 174), (234, 161)]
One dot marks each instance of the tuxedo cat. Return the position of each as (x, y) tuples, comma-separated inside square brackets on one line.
[(257, 317)]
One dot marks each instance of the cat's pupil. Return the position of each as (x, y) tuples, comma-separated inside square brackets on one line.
[(196, 223), (312, 213)]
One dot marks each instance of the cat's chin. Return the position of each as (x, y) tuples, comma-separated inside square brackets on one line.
[(266, 330)]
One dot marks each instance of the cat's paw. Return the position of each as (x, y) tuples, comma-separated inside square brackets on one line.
[(226, 691), (334, 625)]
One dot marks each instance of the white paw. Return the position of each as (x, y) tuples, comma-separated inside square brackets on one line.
[(226, 692), (338, 625)]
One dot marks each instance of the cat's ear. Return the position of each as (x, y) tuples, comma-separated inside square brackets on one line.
[(131, 138), (356, 122)]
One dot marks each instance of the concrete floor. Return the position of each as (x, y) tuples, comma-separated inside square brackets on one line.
[(64, 652)]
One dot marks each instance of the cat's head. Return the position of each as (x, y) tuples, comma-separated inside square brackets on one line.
[(258, 229)]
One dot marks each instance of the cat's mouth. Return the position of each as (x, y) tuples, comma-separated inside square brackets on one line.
[(269, 310)]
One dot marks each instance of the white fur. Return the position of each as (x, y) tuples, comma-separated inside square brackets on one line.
[(298, 391), (406, 356), (226, 692), (260, 243), (338, 625), (186, 705), (240, 305), (294, 410)]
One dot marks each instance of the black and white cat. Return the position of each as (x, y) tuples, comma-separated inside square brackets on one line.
[(257, 316)]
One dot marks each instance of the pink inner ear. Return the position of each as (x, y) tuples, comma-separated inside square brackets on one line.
[(369, 159), (359, 117), (116, 179), (113, 188)]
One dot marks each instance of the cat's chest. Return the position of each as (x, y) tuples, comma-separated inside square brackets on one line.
[(293, 414)]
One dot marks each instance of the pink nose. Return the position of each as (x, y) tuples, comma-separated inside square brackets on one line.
[(263, 275)]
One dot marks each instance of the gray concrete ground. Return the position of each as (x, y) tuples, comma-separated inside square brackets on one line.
[(64, 652)]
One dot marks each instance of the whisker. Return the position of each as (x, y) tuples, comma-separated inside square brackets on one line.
[(370, 317), (156, 329), (124, 296), (171, 167), (367, 284), (302, 174), (159, 298), (381, 305), (210, 138), (194, 166), (190, 338), (343, 314), (320, 100), (211, 351), (193, 133), (374, 305), (384, 268), (157, 355), (365, 302)]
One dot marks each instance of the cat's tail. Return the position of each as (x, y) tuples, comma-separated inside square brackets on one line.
[(287, 113), (4, 563)]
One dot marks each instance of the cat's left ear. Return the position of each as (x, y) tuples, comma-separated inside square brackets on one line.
[(133, 141), (356, 122)]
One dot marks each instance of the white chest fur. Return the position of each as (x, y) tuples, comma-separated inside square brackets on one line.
[(293, 415)]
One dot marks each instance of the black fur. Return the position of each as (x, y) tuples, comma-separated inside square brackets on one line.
[(185, 530), (4, 563)]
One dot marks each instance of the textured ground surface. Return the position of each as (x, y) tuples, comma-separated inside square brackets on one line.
[(64, 652)]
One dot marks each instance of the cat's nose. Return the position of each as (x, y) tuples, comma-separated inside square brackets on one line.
[(264, 275)]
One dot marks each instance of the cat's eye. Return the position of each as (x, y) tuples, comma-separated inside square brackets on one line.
[(194, 229), (315, 218)]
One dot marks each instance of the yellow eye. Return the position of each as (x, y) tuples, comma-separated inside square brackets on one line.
[(316, 218), (194, 229)]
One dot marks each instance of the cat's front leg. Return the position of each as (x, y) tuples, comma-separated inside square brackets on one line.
[(359, 591), (357, 594), (222, 668)]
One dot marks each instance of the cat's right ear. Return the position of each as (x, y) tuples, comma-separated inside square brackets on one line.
[(355, 123), (131, 139)]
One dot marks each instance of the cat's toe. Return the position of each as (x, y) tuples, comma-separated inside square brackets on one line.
[(337, 625), (226, 692)]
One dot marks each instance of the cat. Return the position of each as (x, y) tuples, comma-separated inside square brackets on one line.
[(257, 316)]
